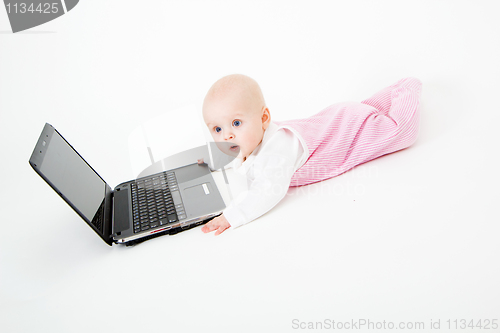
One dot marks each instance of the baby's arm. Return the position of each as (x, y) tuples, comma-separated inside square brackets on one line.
[(269, 176), (264, 193), (219, 223)]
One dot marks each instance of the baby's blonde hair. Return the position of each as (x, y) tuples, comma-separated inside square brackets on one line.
[(238, 86)]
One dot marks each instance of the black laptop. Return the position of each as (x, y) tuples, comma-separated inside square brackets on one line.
[(166, 202)]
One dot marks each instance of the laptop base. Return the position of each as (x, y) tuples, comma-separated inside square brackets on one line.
[(168, 232)]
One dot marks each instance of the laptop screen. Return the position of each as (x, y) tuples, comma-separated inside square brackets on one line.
[(73, 177)]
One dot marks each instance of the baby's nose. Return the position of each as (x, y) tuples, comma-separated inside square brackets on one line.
[(229, 136)]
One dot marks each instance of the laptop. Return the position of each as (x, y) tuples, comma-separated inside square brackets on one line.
[(163, 203)]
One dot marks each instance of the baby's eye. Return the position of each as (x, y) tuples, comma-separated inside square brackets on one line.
[(217, 129), (236, 123)]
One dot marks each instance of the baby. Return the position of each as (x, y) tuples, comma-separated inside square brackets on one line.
[(276, 155)]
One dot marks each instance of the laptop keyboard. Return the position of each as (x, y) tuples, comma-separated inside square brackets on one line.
[(156, 202)]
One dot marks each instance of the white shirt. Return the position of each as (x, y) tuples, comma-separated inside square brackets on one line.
[(268, 172)]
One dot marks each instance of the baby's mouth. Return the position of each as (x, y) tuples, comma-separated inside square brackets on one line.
[(234, 147)]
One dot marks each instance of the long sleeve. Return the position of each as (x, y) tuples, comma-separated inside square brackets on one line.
[(268, 174)]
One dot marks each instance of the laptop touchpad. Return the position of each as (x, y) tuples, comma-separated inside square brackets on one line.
[(198, 200)]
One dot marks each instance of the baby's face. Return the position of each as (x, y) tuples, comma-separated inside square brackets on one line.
[(236, 122)]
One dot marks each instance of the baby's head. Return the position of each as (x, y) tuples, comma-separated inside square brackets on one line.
[(234, 111)]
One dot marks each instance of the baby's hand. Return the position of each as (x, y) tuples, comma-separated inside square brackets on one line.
[(219, 224)]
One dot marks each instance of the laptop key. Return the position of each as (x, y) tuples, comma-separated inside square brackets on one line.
[(154, 204)]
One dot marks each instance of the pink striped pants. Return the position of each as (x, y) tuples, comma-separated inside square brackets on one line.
[(347, 134)]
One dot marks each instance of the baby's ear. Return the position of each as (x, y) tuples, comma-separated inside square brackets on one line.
[(266, 118)]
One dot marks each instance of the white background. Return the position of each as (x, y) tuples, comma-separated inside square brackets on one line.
[(412, 236)]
